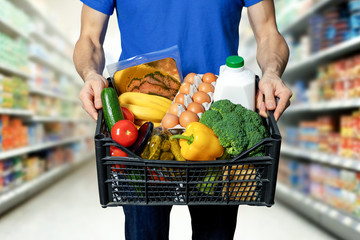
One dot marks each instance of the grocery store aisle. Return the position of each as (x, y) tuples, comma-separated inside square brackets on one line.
[(70, 210)]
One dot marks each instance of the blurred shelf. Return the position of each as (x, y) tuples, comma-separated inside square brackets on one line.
[(16, 112), (43, 39), (28, 7), (52, 94), (27, 189), (10, 30), (337, 222), (323, 56), (321, 157), (321, 106), (48, 64), (38, 147), (36, 118), (13, 71), (300, 23)]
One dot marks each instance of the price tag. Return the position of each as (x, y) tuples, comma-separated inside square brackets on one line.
[(333, 213), (347, 221), (347, 163), (336, 160), (357, 228)]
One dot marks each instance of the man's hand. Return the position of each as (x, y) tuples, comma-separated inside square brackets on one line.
[(271, 86), (90, 94)]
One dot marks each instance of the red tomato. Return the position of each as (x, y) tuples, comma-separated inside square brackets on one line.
[(117, 152), (124, 132), (127, 114)]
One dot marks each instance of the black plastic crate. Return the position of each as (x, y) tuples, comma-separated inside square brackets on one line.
[(137, 181)]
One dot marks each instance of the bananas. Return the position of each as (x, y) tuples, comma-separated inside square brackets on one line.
[(145, 107), (145, 100)]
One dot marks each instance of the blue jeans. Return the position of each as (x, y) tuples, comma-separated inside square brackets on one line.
[(152, 222)]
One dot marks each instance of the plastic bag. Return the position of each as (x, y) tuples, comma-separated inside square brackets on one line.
[(157, 73)]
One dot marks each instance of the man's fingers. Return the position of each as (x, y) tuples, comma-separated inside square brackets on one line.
[(259, 99), (283, 103), (88, 105), (97, 87), (268, 91), (262, 110)]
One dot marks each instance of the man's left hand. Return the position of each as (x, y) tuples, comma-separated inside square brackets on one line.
[(271, 86)]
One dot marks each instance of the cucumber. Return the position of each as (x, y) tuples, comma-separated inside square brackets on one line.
[(111, 107)]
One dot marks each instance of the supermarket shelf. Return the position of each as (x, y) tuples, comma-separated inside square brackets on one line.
[(52, 94), (10, 30), (16, 112), (27, 189), (38, 147), (49, 64), (323, 56), (13, 71), (29, 7), (43, 39), (321, 157), (339, 223), (321, 106), (57, 119), (301, 22)]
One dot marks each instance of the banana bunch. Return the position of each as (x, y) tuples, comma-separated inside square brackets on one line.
[(145, 107)]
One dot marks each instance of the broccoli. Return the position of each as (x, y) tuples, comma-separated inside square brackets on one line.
[(231, 135), (223, 106), (210, 117), (255, 132), (237, 128)]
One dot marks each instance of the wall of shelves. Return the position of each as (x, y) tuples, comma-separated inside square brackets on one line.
[(313, 100), (52, 119), (306, 70)]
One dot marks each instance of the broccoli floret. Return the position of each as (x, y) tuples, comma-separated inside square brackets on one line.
[(223, 106), (239, 109), (255, 132), (231, 136), (210, 117)]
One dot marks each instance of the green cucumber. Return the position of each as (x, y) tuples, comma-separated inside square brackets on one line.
[(111, 107)]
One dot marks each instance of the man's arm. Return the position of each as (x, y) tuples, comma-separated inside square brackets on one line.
[(272, 56), (89, 58)]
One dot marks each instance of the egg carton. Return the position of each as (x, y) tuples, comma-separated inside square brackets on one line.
[(178, 129)]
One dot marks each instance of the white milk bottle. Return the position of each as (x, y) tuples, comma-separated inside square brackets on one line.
[(236, 83)]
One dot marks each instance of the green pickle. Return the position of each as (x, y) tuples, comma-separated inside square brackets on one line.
[(155, 147), (166, 156), (166, 145)]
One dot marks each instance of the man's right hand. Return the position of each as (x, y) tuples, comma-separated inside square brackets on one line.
[(90, 94)]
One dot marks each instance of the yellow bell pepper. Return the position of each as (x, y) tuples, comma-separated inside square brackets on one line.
[(199, 143)]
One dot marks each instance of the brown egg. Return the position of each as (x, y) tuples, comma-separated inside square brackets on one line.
[(173, 109), (180, 98), (206, 87), (201, 97), (169, 121), (185, 88), (187, 117), (190, 78), (209, 77), (195, 107)]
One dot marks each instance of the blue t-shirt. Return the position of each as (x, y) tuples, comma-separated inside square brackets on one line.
[(206, 31)]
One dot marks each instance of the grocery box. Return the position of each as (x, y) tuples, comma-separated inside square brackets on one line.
[(135, 181)]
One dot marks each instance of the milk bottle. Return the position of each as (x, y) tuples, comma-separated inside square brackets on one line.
[(236, 83)]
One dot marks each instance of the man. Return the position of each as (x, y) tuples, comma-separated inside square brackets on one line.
[(206, 33)]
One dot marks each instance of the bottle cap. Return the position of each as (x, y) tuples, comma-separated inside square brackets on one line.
[(234, 61)]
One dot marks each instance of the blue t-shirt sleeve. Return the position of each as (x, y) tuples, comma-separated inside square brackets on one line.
[(104, 6), (248, 3)]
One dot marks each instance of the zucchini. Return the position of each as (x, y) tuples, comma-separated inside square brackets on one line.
[(111, 107)]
